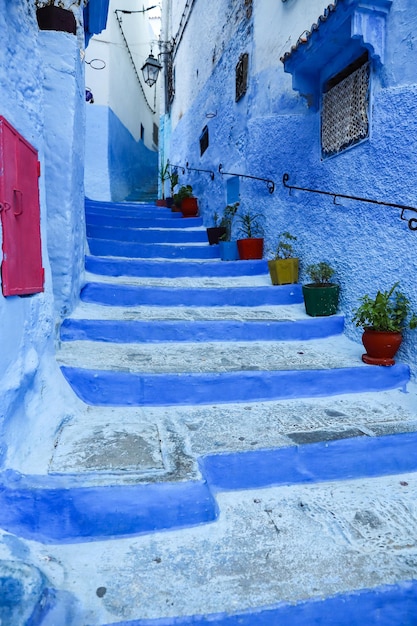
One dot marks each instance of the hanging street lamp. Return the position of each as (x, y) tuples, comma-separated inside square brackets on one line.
[(151, 69)]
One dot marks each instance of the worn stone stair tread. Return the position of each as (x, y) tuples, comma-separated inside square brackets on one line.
[(255, 556), (194, 282), (148, 236), (104, 445), (333, 352), (290, 312), (133, 295), (107, 247), (176, 268), (145, 331)]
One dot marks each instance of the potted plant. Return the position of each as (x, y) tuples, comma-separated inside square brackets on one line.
[(163, 177), (186, 202), (173, 180), (283, 268), (321, 297), (383, 320), (227, 246), (251, 242), (215, 232)]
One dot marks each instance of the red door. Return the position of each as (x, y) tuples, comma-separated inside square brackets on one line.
[(21, 269)]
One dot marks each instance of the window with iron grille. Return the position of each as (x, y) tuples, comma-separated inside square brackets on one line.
[(242, 76), (204, 140), (155, 134), (345, 108)]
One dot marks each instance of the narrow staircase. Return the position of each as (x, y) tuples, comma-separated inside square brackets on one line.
[(217, 410)]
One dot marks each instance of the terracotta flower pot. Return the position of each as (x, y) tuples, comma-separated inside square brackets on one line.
[(189, 207), (252, 248), (380, 346)]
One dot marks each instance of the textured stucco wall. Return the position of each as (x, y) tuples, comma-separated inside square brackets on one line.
[(27, 323), (64, 124), (272, 130), (43, 99)]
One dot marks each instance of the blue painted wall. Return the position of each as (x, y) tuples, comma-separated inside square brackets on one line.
[(272, 130)]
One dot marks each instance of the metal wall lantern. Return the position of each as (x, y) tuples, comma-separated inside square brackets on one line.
[(150, 70)]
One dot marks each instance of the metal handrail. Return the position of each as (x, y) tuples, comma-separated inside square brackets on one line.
[(176, 167), (412, 222), (195, 169), (270, 183)]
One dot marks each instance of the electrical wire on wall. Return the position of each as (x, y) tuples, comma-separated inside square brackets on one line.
[(119, 21)]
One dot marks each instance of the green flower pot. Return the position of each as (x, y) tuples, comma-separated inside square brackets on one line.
[(321, 300)]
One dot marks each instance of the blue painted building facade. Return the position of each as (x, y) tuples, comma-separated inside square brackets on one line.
[(122, 120), (267, 85)]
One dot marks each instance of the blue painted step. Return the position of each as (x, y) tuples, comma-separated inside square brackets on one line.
[(387, 605), (103, 247), (120, 331), (162, 269), (126, 295), (133, 210), (143, 221), (51, 513), (147, 235), (107, 388)]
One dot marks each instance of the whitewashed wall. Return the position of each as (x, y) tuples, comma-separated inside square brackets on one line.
[(123, 104)]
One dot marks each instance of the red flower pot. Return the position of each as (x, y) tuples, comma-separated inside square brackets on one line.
[(189, 207), (380, 346), (252, 248)]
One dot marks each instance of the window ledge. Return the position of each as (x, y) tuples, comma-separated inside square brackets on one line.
[(359, 25)]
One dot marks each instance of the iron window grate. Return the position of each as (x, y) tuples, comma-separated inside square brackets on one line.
[(345, 109), (204, 140), (242, 76)]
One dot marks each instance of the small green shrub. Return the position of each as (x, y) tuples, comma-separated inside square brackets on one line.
[(285, 248), (250, 225), (227, 220), (388, 311), (320, 273)]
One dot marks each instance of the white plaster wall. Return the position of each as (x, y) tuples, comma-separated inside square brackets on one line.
[(64, 128), (116, 86)]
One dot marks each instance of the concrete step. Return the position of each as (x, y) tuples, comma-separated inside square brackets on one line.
[(121, 331), (131, 295), (148, 235), (106, 247), (189, 373), (145, 220), (291, 554), (160, 269)]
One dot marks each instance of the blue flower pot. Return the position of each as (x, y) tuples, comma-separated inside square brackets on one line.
[(228, 251)]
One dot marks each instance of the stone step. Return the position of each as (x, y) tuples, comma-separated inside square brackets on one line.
[(120, 331), (148, 235), (197, 374), (170, 505), (143, 221), (159, 269), (131, 295), (106, 247), (327, 553)]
